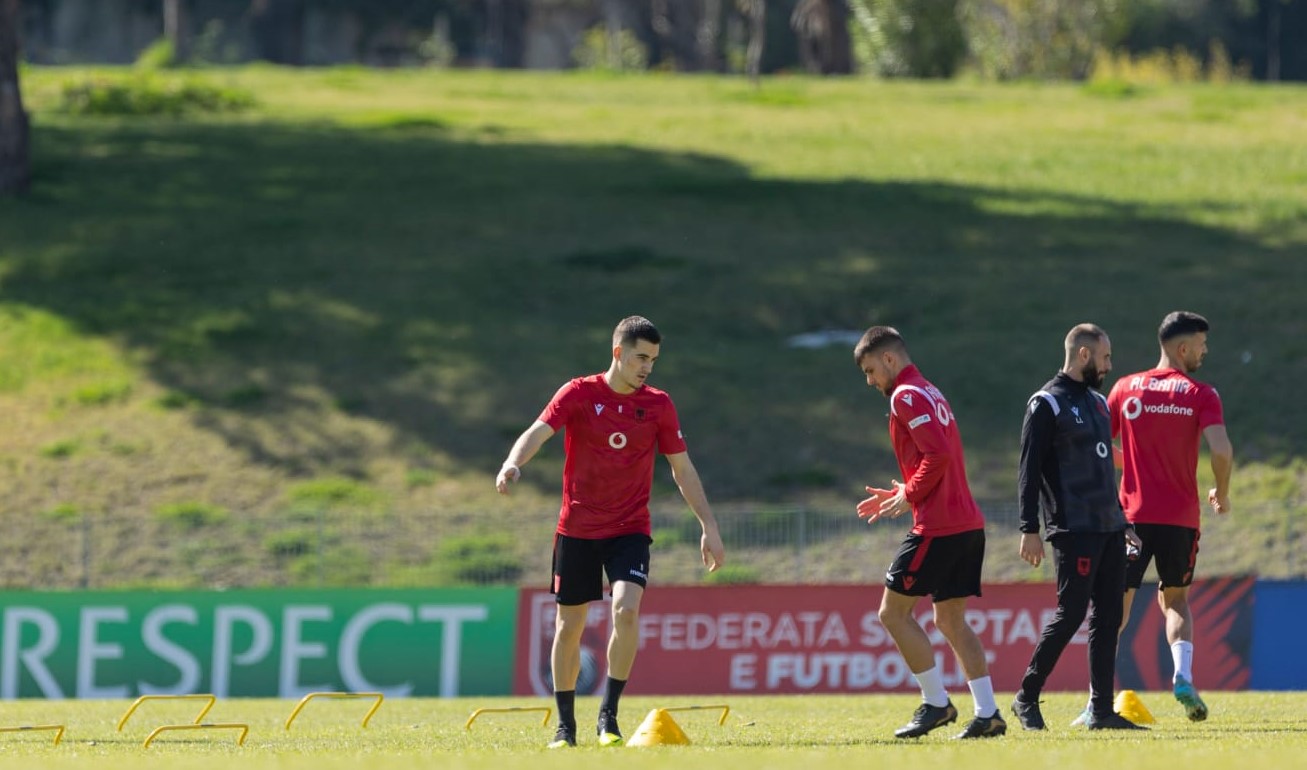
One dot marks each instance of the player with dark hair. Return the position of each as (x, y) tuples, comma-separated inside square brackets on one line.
[(1159, 415), (1067, 477), (942, 555), (615, 425)]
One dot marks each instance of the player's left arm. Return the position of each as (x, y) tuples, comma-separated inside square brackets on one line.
[(687, 480), (1114, 414), (1222, 452), (924, 426)]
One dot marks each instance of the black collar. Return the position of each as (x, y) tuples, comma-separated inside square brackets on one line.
[(1071, 383)]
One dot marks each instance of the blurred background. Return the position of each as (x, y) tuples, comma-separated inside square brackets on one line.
[(281, 280)]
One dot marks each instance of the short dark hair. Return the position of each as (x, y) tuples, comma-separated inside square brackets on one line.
[(633, 328), (1083, 335), (876, 339), (1181, 323)]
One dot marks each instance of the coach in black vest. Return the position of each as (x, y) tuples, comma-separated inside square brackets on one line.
[(1068, 480)]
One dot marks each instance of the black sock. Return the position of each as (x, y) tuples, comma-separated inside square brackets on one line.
[(566, 700), (612, 695)]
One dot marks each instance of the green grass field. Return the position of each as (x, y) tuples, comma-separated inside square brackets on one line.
[(778, 733), (354, 295)]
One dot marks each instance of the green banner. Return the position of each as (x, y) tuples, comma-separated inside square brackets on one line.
[(273, 643)]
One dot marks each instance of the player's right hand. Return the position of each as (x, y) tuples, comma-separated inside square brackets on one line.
[(869, 509), (1032, 549), (711, 549), (1220, 506), (507, 474)]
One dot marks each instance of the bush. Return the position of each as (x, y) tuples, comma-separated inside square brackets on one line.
[(191, 515), (61, 449), (334, 493), (102, 393), (1162, 67), (340, 567), (157, 56), (478, 559), (594, 52), (291, 543), (146, 95), (734, 574), (420, 477), (912, 38), (1054, 39), (63, 513)]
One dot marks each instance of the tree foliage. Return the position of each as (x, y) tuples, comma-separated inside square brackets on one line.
[(913, 38), (1037, 38)]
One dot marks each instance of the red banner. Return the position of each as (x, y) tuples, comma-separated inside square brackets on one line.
[(828, 639)]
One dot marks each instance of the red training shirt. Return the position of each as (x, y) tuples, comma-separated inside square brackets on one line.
[(610, 443), (928, 447), (1159, 415)]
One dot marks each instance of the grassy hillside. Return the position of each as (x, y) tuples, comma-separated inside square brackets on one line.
[(353, 296)]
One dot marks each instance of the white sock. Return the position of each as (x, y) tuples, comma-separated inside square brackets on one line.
[(982, 695), (932, 687), (1182, 654)]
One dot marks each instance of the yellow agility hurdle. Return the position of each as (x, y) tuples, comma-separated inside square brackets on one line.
[(726, 710), (305, 700), (58, 730), (548, 711), (240, 741), (209, 701)]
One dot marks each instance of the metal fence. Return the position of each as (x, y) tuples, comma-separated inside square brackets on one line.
[(773, 544)]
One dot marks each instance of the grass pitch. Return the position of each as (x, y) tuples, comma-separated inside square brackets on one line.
[(784, 733)]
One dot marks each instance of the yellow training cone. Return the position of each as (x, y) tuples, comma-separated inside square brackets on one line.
[(659, 729), (1129, 706)]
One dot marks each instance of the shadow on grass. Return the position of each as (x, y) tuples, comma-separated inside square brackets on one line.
[(284, 276)]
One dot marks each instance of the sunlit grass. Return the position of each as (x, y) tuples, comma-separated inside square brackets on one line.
[(1261, 729)]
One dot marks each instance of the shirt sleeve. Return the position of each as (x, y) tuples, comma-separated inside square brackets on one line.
[(1036, 442), (670, 440), (560, 407), (921, 421), (1210, 411)]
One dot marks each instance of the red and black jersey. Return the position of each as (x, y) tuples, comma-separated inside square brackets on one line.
[(611, 440), (1160, 415), (928, 447)]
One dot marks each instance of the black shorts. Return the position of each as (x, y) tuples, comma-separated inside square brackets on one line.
[(942, 568), (1176, 551), (579, 566)]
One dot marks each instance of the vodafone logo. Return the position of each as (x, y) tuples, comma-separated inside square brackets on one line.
[(1101, 449), (617, 441), (1133, 407)]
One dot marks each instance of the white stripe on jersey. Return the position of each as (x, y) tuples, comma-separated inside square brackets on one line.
[(900, 389), (1050, 398)]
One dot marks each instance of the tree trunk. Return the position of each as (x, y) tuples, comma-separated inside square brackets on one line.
[(705, 37), (15, 168), (687, 30), (277, 27), (1273, 40), (613, 34), (757, 13), (175, 28), (823, 32)]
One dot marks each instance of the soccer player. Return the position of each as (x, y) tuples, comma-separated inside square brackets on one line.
[(942, 555), (1159, 416), (1067, 475), (615, 424)]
